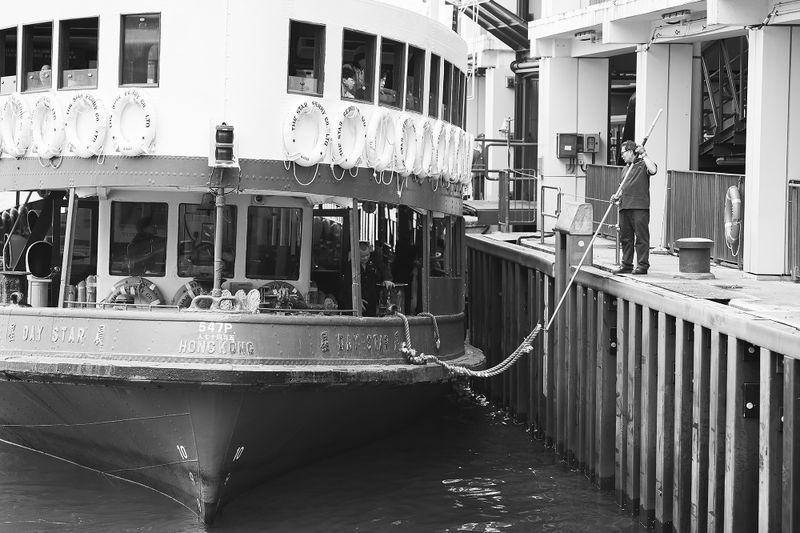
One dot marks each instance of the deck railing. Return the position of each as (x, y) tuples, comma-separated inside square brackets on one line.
[(688, 409), (517, 197), (695, 208), (793, 230)]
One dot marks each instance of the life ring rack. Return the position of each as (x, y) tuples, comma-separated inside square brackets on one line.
[(92, 145), (380, 144), (142, 290), (49, 135), (123, 144), (732, 214), (352, 157), (426, 150), (405, 153), (310, 156), (15, 127)]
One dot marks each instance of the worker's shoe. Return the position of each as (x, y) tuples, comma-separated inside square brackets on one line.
[(623, 270), (639, 271)]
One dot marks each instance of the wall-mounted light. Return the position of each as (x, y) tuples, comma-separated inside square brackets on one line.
[(676, 17), (588, 35)]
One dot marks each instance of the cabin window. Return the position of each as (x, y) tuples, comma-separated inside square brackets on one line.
[(274, 242), (444, 247), (390, 85), (78, 54), (455, 105), (140, 37), (462, 100), (306, 58), (197, 225), (415, 79), (358, 53), (330, 242), (37, 56), (138, 239), (84, 245), (447, 92), (8, 61), (433, 95)]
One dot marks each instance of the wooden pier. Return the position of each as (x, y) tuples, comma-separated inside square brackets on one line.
[(688, 408)]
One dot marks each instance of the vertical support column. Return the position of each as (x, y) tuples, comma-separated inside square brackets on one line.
[(716, 430), (665, 418), (573, 98), (606, 379), (769, 441), (682, 490), (790, 505), (772, 114), (741, 439), (499, 106), (700, 371), (634, 406), (664, 81), (621, 413), (590, 382), (649, 444)]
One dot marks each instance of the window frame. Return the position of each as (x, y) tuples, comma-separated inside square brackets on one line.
[(4, 32), (27, 60), (233, 210), (112, 243), (319, 59), (63, 52), (121, 55), (447, 91), (434, 84), (419, 55), (369, 68), (398, 91), (250, 218)]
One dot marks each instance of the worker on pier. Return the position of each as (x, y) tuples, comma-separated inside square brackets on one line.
[(633, 199)]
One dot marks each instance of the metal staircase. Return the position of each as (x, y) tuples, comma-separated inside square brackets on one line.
[(724, 105)]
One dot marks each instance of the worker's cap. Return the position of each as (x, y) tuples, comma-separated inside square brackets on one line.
[(629, 145)]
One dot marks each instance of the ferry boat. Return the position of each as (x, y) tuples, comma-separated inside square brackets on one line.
[(198, 185)]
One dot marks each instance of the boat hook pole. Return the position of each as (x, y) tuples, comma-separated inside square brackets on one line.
[(597, 231)]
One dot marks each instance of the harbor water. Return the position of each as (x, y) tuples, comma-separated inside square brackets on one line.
[(461, 467)]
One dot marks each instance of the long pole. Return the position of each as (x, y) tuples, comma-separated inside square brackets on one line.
[(597, 231)]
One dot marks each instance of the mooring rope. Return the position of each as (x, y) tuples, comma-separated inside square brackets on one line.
[(419, 358)]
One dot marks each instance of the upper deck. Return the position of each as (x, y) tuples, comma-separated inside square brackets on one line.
[(199, 64)]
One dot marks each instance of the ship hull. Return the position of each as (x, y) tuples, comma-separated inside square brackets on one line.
[(200, 444)]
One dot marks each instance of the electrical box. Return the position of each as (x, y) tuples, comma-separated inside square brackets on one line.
[(589, 143), (566, 145)]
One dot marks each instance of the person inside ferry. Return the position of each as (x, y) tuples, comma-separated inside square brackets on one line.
[(359, 70), (348, 82), (373, 274), (145, 247), (44, 76)]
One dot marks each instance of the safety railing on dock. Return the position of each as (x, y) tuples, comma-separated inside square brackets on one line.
[(517, 197), (793, 230), (602, 182), (695, 208), (688, 408)]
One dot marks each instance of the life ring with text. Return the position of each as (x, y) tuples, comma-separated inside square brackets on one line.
[(184, 296), (405, 147), (142, 142), (142, 290), (380, 140), (15, 128), (426, 151), (92, 144), (733, 215), (301, 146), (48, 128), (349, 137), (440, 143), (453, 150)]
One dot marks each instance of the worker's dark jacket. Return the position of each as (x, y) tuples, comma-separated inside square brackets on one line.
[(636, 191)]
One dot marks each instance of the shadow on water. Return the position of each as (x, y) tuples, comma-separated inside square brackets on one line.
[(461, 467)]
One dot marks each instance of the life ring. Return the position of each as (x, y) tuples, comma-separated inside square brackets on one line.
[(281, 295), (16, 126), (48, 128), (426, 151), (298, 149), (405, 147), (183, 298), (440, 144), (143, 142), (142, 290), (733, 215), (349, 137), (453, 151), (466, 157), (380, 140), (92, 144)]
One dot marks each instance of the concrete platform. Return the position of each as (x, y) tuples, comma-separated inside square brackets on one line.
[(772, 299)]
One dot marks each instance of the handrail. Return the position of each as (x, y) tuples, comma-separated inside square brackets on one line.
[(542, 210)]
